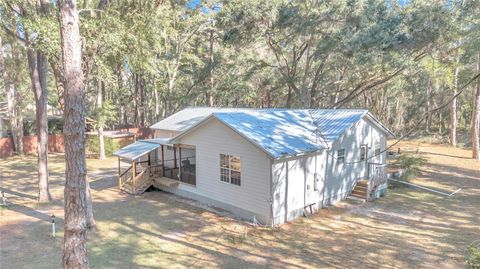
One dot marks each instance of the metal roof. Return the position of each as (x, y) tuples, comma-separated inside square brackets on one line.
[(285, 132), (188, 117), (136, 150), (278, 132), (160, 141)]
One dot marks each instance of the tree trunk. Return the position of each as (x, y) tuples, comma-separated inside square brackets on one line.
[(288, 104), (37, 66), (11, 106), (157, 100), (91, 224), (209, 95), (101, 142), (57, 74), (18, 96), (75, 239), (476, 118), (143, 91), (428, 117), (453, 108)]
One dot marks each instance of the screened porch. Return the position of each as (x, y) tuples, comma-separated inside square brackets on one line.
[(155, 162)]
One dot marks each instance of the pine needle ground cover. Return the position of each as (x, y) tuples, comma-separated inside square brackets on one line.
[(407, 229)]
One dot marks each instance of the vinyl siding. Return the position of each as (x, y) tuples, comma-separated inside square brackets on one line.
[(252, 196), (341, 177), (165, 133), (335, 180), (299, 175)]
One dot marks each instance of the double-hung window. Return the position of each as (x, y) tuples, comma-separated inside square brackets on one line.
[(230, 169), (341, 155), (363, 152), (378, 149)]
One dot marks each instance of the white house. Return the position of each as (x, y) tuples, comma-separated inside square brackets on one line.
[(271, 164)]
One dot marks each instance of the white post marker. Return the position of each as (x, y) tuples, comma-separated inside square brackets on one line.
[(53, 225), (4, 200)]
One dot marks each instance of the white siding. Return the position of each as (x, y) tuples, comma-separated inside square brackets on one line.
[(341, 177), (252, 197), (300, 174), (335, 180), (165, 133)]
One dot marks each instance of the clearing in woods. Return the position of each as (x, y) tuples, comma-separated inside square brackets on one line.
[(407, 229)]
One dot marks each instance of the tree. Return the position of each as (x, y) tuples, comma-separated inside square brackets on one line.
[(75, 239), (24, 14), (14, 115), (475, 129)]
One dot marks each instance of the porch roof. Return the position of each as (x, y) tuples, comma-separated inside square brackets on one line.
[(136, 150), (160, 141)]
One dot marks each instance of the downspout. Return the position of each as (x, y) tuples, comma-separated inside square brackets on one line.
[(271, 194), (286, 191), (325, 176)]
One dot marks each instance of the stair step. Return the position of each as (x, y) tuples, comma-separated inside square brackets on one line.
[(361, 187), (364, 195), (358, 196), (357, 199)]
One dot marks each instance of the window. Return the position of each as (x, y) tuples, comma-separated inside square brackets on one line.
[(341, 155), (377, 148), (230, 169), (363, 152)]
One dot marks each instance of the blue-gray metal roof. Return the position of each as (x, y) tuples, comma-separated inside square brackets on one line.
[(184, 119), (286, 132), (136, 150), (159, 140)]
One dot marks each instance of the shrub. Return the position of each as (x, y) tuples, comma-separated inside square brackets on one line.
[(93, 145), (410, 165), (472, 255)]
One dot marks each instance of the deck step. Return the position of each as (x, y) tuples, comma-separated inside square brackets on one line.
[(356, 199), (360, 192)]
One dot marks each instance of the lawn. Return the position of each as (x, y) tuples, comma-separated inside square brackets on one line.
[(407, 229)]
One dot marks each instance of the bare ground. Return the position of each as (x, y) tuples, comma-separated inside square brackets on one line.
[(407, 229)]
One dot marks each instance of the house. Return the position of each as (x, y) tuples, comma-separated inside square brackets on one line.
[(273, 165)]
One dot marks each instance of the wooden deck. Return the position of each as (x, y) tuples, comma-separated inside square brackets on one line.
[(165, 182)]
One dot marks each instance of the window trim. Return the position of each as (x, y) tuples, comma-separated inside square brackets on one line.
[(363, 152), (341, 158), (230, 169), (378, 147)]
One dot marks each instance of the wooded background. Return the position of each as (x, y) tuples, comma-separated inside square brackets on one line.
[(144, 60)]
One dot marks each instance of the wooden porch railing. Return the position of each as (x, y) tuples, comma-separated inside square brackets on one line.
[(377, 175), (124, 177)]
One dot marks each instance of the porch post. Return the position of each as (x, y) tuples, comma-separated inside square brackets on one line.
[(174, 156), (163, 163), (134, 176), (119, 176), (180, 158)]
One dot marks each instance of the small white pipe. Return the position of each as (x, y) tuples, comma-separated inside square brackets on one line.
[(53, 225), (425, 188), (454, 192)]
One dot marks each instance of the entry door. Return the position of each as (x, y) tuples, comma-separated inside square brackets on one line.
[(364, 157)]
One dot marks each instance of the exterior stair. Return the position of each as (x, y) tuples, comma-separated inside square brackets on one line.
[(360, 192), (143, 182)]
